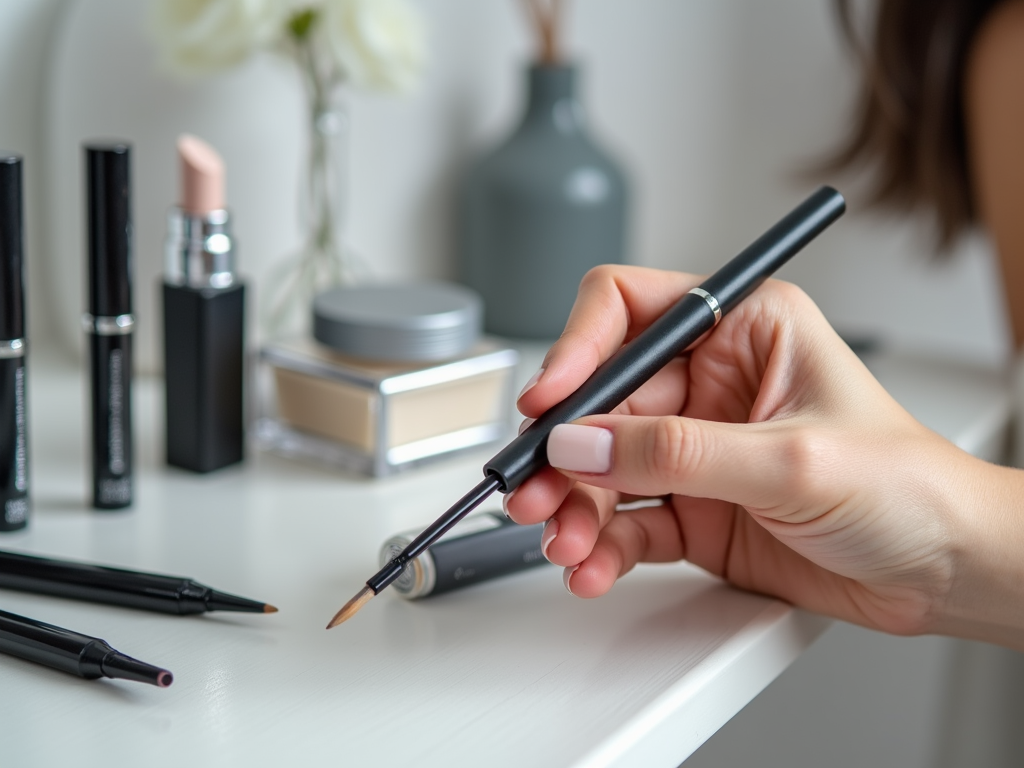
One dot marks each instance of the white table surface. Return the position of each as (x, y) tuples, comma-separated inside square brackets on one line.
[(515, 672)]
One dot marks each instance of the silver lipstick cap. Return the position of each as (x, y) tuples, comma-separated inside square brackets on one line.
[(199, 251)]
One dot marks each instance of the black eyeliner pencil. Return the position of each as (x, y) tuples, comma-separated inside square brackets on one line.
[(623, 373), (73, 652), (116, 586)]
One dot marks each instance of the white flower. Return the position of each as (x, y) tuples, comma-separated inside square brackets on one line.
[(200, 36), (378, 44)]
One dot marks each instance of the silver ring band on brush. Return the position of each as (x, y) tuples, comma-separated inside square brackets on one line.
[(712, 302), (119, 325)]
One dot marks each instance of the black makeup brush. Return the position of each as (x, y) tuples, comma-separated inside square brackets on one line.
[(623, 373)]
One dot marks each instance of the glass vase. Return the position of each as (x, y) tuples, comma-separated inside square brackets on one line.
[(324, 260)]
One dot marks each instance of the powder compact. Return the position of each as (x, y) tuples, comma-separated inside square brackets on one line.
[(397, 374)]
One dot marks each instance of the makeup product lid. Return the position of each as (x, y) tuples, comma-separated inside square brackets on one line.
[(421, 321), (108, 176), (12, 306)]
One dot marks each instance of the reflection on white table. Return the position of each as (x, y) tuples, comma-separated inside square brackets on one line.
[(511, 673)]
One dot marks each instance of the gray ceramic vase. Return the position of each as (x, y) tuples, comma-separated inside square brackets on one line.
[(539, 211)]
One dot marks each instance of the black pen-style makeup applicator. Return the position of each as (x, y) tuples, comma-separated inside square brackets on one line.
[(118, 586), (623, 373), (74, 653)]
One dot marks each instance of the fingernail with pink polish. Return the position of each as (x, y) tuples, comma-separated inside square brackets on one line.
[(578, 448), (566, 574), (504, 504), (550, 531), (530, 384), (525, 425)]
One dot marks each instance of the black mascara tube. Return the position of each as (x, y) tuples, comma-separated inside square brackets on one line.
[(14, 501), (109, 322), (479, 548)]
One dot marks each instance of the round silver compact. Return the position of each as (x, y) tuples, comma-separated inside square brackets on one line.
[(423, 321)]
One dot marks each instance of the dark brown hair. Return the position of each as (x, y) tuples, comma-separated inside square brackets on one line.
[(909, 122)]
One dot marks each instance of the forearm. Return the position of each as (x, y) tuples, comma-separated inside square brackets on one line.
[(994, 117), (986, 598)]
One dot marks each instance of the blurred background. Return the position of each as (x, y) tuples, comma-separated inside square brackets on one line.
[(715, 108)]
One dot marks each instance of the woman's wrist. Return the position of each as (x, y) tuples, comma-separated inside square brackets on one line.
[(986, 598)]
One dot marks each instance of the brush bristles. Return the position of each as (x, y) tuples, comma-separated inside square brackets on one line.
[(351, 608)]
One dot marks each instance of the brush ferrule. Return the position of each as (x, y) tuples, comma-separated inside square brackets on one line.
[(387, 574)]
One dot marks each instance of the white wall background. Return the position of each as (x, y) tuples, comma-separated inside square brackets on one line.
[(713, 105)]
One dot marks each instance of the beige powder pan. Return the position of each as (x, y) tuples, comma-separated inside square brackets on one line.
[(411, 382)]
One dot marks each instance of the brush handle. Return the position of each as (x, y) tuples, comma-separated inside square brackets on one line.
[(685, 322)]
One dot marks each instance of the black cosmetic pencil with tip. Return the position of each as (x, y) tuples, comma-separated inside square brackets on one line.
[(623, 373), (73, 652), (118, 586)]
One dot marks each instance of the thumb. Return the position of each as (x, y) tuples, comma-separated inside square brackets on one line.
[(763, 466)]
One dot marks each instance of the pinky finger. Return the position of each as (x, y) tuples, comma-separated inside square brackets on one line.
[(649, 534)]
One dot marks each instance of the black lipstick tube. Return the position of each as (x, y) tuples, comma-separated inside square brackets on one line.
[(109, 322), (14, 501), (479, 548), (204, 343)]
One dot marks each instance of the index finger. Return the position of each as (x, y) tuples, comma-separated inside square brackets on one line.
[(613, 305)]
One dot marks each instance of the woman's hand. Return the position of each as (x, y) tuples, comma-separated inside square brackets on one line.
[(785, 468)]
